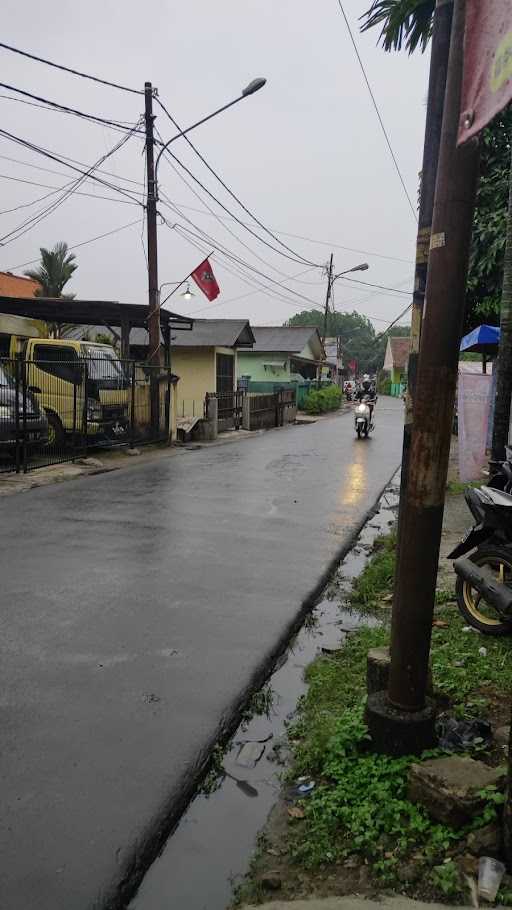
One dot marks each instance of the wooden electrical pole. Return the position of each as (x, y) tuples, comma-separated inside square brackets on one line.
[(441, 32), (328, 296), (152, 241), (402, 719)]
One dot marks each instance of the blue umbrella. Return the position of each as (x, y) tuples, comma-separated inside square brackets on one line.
[(483, 340)]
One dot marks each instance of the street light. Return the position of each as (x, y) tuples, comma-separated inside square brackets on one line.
[(250, 89), (362, 267), (187, 293), (357, 268)]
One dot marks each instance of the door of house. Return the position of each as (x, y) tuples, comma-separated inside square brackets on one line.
[(225, 373)]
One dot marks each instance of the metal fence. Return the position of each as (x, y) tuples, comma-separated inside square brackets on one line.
[(56, 408), (230, 409)]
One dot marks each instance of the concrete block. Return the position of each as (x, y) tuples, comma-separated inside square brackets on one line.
[(448, 788)]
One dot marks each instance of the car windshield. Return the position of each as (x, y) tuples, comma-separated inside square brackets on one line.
[(103, 363)]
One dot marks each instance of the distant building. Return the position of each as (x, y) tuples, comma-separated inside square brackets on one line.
[(25, 288), (17, 286), (396, 362)]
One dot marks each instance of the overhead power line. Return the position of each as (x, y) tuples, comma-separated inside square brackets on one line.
[(238, 220), (35, 219), (70, 110), (377, 111), (381, 287), (75, 246), (229, 190), (177, 209), (238, 267), (53, 157), (56, 189), (48, 170), (391, 324), (221, 248), (67, 69)]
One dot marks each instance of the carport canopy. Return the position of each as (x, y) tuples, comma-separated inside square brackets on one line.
[(109, 313)]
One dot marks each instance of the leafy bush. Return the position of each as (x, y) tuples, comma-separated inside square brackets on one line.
[(321, 400), (384, 385)]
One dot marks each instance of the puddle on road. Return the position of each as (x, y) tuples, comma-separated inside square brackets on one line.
[(211, 848)]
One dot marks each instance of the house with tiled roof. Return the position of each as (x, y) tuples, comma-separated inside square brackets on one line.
[(17, 285), (396, 361), (22, 288)]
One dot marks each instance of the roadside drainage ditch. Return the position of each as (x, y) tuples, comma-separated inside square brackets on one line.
[(210, 850)]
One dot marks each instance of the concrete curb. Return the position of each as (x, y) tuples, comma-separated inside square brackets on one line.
[(149, 845)]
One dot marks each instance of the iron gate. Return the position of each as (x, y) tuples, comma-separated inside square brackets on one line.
[(60, 404)]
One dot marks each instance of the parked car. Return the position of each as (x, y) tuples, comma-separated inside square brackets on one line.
[(33, 422)]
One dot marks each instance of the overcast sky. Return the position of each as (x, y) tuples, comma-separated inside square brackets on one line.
[(305, 154)]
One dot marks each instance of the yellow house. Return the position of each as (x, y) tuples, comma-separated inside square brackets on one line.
[(206, 360)]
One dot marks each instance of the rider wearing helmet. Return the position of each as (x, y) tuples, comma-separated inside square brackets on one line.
[(367, 391)]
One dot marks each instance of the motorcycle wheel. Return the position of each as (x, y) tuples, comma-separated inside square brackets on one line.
[(366, 432), (358, 432), (475, 610)]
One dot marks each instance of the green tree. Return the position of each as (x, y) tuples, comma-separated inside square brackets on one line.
[(403, 22), (359, 340), (55, 270), (408, 23)]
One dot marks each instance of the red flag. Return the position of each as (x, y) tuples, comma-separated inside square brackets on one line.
[(205, 280)]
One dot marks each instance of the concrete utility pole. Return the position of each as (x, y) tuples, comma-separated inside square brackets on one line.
[(154, 303), (504, 365), (402, 720), (440, 50)]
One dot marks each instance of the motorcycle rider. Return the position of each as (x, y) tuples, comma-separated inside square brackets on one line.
[(367, 390)]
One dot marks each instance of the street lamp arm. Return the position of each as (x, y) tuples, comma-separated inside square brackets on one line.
[(357, 268), (253, 86)]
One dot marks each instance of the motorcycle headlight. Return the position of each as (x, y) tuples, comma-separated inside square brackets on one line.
[(6, 412)]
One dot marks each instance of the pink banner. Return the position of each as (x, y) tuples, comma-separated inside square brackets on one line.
[(474, 400)]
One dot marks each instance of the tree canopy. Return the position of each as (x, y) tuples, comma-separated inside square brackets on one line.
[(54, 271), (360, 342), (408, 23)]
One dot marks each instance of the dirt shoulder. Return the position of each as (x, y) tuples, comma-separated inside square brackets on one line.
[(353, 830)]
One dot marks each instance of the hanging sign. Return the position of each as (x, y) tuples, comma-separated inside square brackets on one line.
[(487, 81)]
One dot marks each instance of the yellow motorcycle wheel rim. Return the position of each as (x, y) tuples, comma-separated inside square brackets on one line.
[(472, 597)]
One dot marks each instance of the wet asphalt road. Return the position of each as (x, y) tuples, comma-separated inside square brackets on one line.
[(136, 607)]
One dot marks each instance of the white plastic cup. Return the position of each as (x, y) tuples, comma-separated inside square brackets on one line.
[(490, 873)]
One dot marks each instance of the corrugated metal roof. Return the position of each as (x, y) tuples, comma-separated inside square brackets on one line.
[(290, 339)]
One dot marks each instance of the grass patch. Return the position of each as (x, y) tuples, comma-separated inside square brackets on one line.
[(454, 487), (359, 807), (377, 578)]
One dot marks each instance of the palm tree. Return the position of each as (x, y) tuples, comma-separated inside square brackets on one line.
[(404, 22), (56, 268)]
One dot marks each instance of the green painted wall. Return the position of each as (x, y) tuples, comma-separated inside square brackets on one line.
[(252, 365), (398, 380)]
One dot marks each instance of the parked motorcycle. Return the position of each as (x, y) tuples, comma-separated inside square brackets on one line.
[(484, 580), (363, 418)]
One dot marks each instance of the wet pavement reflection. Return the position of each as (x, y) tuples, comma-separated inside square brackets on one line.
[(211, 848)]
